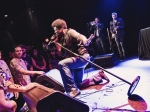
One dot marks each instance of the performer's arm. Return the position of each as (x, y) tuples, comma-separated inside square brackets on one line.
[(80, 37), (101, 26)]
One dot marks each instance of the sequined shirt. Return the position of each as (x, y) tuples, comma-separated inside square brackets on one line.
[(5, 68)]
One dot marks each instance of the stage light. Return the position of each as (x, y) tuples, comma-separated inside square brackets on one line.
[(5, 15)]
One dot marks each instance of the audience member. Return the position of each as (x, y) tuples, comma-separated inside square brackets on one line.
[(26, 57), (5, 72), (54, 59), (7, 86), (20, 73), (38, 60)]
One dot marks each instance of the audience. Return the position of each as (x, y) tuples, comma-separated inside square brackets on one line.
[(26, 57), (20, 73), (38, 60), (7, 86)]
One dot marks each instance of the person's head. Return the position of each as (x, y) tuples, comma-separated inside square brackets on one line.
[(58, 25), (97, 19), (35, 52), (18, 51), (11, 55), (23, 47), (53, 51), (114, 15)]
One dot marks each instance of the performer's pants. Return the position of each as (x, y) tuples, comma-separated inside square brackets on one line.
[(99, 48), (72, 70), (120, 45)]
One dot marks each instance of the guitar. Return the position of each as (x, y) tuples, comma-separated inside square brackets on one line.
[(114, 34)]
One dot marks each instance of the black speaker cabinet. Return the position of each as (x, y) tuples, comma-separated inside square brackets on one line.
[(106, 60), (43, 99), (50, 83)]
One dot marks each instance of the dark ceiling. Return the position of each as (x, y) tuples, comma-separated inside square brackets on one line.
[(29, 21)]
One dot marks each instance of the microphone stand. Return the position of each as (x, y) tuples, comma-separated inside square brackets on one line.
[(92, 63)]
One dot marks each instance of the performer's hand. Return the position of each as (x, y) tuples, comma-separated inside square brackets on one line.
[(114, 36), (54, 38), (46, 40), (89, 40), (92, 23)]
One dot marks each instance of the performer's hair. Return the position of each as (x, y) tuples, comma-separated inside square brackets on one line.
[(97, 18), (59, 23), (114, 13)]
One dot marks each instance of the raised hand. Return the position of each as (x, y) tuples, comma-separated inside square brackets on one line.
[(89, 40)]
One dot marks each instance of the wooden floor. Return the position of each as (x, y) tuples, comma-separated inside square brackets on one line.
[(112, 96)]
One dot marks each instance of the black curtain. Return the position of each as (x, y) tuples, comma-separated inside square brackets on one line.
[(144, 44)]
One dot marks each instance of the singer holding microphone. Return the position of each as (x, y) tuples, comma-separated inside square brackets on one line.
[(96, 27), (71, 67)]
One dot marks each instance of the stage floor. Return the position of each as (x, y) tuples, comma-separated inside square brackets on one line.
[(112, 96)]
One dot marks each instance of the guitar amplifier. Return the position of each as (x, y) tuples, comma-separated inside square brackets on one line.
[(106, 60)]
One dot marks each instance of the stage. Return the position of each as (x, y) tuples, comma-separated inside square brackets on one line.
[(112, 96)]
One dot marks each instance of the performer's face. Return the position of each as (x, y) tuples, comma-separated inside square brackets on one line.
[(58, 30), (96, 20), (114, 16)]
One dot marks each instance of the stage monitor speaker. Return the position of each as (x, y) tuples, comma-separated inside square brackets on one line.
[(43, 99), (106, 60), (50, 82)]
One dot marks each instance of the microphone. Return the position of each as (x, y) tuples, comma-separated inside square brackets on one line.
[(52, 39)]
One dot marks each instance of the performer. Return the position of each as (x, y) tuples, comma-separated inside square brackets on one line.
[(97, 27), (117, 31), (71, 67)]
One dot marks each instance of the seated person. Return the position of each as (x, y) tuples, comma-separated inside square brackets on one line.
[(38, 60), (5, 72), (54, 59), (7, 86)]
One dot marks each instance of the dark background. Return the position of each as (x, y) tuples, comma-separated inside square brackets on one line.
[(29, 21)]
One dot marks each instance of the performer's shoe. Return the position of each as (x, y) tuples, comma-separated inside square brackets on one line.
[(121, 58), (101, 73), (94, 80), (74, 92)]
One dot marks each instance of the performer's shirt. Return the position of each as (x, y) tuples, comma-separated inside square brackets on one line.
[(71, 41)]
